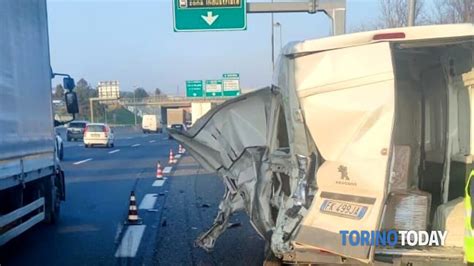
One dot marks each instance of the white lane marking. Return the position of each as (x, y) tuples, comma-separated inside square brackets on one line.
[(167, 170), (165, 138), (178, 156), (117, 232), (136, 145), (151, 141), (130, 242), (114, 151), (129, 138), (80, 145), (148, 202), (83, 161), (158, 183)]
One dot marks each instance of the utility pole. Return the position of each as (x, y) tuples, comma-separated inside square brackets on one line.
[(105, 112), (135, 107), (91, 107), (411, 13)]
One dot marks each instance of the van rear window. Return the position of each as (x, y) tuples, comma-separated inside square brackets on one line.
[(77, 125), (95, 128)]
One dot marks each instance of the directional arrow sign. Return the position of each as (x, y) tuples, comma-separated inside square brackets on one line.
[(204, 15), (210, 18), (194, 88)]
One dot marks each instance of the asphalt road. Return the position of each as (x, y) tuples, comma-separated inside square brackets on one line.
[(92, 228)]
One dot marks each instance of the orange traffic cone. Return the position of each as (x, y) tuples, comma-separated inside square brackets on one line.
[(133, 210), (181, 150), (159, 171), (171, 159)]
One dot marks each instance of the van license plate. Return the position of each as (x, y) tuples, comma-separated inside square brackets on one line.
[(342, 208), (95, 135)]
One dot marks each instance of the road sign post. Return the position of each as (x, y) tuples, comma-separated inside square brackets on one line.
[(204, 15)]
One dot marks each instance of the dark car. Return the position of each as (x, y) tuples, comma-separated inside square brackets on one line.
[(177, 127), (75, 130)]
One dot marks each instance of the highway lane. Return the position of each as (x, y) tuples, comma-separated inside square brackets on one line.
[(96, 206), (91, 230)]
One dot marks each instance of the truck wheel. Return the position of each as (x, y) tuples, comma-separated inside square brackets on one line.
[(61, 152), (52, 200)]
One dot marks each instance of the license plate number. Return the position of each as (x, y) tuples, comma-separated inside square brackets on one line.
[(95, 135), (342, 208)]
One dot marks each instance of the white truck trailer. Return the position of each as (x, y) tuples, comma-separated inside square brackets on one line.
[(31, 179)]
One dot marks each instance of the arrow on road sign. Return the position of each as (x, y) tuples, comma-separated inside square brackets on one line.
[(210, 18)]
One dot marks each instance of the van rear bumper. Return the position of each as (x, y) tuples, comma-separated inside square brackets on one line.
[(395, 256)]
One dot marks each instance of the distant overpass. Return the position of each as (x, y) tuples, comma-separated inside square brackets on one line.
[(170, 102), (159, 105)]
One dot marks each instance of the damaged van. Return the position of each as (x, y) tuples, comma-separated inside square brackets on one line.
[(364, 132)]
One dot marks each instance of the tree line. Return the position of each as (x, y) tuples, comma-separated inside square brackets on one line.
[(394, 14), (85, 91)]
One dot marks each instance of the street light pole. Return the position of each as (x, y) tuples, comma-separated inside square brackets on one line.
[(135, 104), (278, 24), (273, 46)]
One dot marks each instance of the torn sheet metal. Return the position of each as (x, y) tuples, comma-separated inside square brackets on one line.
[(233, 140), (237, 140)]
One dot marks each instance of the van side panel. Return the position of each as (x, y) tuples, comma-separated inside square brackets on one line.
[(348, 100)]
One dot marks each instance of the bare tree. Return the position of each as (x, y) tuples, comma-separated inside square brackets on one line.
[(157, 92), (394, 14), (452, 11)]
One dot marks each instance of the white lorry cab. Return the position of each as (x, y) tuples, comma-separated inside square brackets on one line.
[(359, 149)]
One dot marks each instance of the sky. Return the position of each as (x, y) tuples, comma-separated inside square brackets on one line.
[(133, 42)]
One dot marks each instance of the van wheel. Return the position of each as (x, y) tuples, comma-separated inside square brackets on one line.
[(112, 145)]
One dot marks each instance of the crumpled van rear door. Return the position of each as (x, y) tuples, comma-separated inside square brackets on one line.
[(347, 96)]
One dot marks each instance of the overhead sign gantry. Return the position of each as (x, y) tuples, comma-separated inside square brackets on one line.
[(218, 15), (205, 15)]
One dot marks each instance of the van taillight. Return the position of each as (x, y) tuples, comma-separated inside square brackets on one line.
[(389, 35), (106, 130), (85, 130)]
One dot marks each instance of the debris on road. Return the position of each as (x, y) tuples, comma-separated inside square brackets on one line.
[(232, 225)]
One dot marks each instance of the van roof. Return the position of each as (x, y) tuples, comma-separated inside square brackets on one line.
[(406, 34)]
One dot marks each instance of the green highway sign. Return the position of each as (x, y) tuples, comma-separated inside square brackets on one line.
[(194, 88), (231, 84), (213, 88), (209, 15), (230, 76)]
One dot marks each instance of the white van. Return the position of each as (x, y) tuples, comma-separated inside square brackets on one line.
[(365, 132), (151, 123)]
